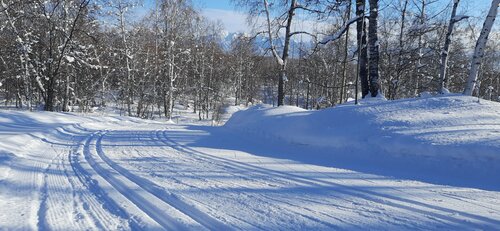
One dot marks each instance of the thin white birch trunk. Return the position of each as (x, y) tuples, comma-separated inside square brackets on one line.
[(480, 45)]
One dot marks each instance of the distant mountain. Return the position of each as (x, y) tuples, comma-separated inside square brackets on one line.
[(262, 44)]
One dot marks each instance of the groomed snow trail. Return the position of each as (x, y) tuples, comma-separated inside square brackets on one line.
[(128, 175)]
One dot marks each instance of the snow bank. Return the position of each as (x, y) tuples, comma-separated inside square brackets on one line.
[(230, 110), (446, 134)]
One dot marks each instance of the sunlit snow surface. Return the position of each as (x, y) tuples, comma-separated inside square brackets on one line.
[(414, 164)]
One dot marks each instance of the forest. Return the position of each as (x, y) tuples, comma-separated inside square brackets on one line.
[(79, 55)]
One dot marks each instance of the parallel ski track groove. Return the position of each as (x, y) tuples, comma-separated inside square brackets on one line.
[(102, 197), (267, 202), (159, 192), (398, 203), (147, 207), (85, 199)]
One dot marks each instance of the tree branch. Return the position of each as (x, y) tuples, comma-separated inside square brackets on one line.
[(340, 32)]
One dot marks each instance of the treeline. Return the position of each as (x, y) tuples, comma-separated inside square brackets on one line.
[(62, 54), (59, 55)]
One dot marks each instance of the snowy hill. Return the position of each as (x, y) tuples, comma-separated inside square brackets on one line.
[(450, 139)]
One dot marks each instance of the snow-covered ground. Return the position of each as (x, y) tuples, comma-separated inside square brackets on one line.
[(429, 163)]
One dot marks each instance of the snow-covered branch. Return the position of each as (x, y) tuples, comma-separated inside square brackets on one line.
[(340, 32)]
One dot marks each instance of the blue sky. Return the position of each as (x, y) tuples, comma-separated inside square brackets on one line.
[(225, 12), (235, 20), (216, 10), (215, 4)]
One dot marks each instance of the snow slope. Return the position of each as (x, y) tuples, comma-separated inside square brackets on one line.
[(64, 171), (449, 139)]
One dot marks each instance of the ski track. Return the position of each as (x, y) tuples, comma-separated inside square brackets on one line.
[(161, 194), (130, 190), (78, 185), (242, 204), (91, 207), (270, 203), (442, 219), (262, 198), (272, 200), (400, 203)]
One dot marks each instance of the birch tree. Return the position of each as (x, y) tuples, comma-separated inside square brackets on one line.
[(177, 16), (480, 46), (446, 48)]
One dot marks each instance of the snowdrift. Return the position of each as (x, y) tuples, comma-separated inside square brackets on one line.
[(450, 139)]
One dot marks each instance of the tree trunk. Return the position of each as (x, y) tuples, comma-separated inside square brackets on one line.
[(66, 95), (128, 90), (395, 83), (373, 48), (170, 109), (418, 64), (281, 61), (49, 102), (19, 98), (129, 87), (344, 68), (362, 49), (281, 87), (165, 103), (480, 45), (284, 58), (446, 48)]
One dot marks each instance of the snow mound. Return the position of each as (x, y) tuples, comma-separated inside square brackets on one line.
[(448, 134), (233, 109)]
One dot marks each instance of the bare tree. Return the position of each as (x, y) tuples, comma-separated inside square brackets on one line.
[(373, 49), (362, 47), (119, 10), (345, 60), (273, 28)]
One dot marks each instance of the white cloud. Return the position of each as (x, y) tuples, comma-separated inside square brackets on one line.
[(233, 21)]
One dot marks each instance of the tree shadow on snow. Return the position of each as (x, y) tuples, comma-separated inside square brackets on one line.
[(435, 170)]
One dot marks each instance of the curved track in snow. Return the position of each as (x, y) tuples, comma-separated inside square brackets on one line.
[(160, 193)]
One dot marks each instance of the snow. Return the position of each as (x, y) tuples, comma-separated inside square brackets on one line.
[(445, 91), (421, 133), (69, 58), (425, 94), (233, 109), (418, 164)]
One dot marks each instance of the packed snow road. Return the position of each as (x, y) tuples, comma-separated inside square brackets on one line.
[(147, 176)]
